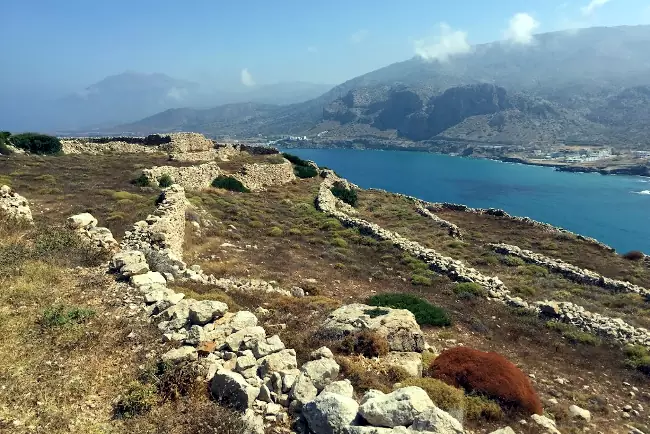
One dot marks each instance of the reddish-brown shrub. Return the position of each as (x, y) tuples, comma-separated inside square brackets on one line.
[(488, 374), (365, 343), (634, 255)]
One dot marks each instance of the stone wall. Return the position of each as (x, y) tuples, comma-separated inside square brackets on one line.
[(14, 205), (188, 142), (614, 328), (257, 176), (221, 152), (82, 146), (569, 271), (86, 226), (190, 177), (454, 231)]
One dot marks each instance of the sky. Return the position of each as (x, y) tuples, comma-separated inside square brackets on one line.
[(66, 45)]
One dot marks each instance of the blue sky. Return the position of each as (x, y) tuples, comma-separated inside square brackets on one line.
[(69, 44)]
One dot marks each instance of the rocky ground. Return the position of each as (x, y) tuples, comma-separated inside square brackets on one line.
[(254, 292)]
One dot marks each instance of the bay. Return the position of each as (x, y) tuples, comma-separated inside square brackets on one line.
[(612, 209)]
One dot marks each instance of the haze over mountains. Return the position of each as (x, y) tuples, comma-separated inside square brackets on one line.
[(589, 85)]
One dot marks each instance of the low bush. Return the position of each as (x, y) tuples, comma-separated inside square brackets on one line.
[(36, 143), (638, 357), (275, 231), (229, 183), (305, 171), (294, 159), (489, 374), (4, 142), (478, 407), (364, 343), (165, 181), (470, 288), (574, 334), (59, 316), (425, 313), (418, 279), (443, 395), (533, 270), (339, 242), (348, 196), (172, 380), (366, 374), (137, 399), (634, 255), (512, 261)]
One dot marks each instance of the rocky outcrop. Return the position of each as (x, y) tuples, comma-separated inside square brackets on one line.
[(398, 326), (196, 177), (14, 205), (86, 225), (257, 176), (569, 271)]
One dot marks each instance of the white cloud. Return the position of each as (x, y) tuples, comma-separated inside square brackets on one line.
[(359, 36), (592, 6), (312, 49), (247, 78), (441, 47), (521, 28)]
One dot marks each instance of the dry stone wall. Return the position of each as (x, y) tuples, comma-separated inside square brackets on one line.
[(257, 176), (191, 177), (86, 225), (614, 328), (14, 205), (569, 271), (82, 146)]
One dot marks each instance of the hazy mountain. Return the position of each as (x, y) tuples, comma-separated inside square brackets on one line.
[(129, 96), (586, 84)]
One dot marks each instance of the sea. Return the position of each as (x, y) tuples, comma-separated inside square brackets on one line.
[(611, 208)]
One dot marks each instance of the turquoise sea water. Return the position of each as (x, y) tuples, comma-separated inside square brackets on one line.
[(612, 209)]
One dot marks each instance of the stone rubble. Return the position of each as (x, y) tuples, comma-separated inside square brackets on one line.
[(86, 225), (256, 176), (14, 205), (567, 312), (569, 271)]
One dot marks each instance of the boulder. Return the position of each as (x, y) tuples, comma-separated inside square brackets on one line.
[(547, 425), (242, 320), (504, 430), (81, 221), (410, 362), (281, 361), (580, 413), (148, 279), (232, 389), (343, 388), (269, 346), (398, 326), (321, 353), (205, 311), (435, 420), (180, 354), (303, 390), (129, 263), (398, 408), (245, 338), (330, 413), (321, 371)]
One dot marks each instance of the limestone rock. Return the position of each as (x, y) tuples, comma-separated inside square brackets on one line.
[(435, 420), (410, 362), (398, 408), (547, 425), (397, 325), (580, 413), (245, 338), (303, 390), (148, 279), (343, 388), (231, 388), (330, 413), (180, 354), (504, 430), (321, 371), (281, 361), (269, 346), (321, 353), (202, 312), (81, 221), (242, 320)]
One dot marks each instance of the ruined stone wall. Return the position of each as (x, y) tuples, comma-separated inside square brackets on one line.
[(188, 142), (82, 146), (14, 205), (190, 177), (257, 176)]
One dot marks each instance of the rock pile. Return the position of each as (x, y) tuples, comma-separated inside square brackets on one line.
[(257, 176), (190, 177), (569, 271), (14, 205), (86, 225)]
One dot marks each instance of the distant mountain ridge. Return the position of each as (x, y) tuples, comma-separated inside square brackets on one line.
[(563, 86)]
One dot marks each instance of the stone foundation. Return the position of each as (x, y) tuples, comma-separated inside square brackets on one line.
[(190, 177)]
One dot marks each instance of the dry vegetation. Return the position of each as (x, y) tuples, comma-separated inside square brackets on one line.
[(69, 378)]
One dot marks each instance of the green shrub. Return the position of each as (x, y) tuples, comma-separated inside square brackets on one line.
[(374, 313), (348, 196), (533, 270), (448, 398), (59, 316), (294, 159), (339, 242), (295, 231), (36, 143), (229, 183), (638, 357), (425, 313), (275, 231), (141, 181), (524, 290), (418, 279), (573, 334), (470, 288), (4, 141), (165, 181), (137, 399), (478, 407), (305, 171), (487, 259), (512, 261)]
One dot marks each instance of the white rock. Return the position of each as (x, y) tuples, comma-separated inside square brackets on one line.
[(544, 422), (182, 353), (242, 320), (269, 346), (330, 413), (321, 353), (321, 371), (580, 413), (82, 221), (410, 362), (435, 420), (303, 390), (398, 408), (504, 430), (245, 338), (281, 361), (231, 388), (343, 388), (202, 312), (148, 279)]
